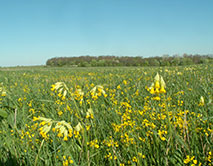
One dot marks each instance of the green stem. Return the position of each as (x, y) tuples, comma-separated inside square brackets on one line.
[(38, 152)]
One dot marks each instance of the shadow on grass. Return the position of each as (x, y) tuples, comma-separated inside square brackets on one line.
[(11, 161)]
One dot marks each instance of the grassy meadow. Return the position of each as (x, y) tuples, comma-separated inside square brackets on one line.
[(145, 116)]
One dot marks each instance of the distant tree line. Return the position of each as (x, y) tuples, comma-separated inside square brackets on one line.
[(165, 60)]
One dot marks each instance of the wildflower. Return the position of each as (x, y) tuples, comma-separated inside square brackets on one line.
[(156, 98), (93, 144), (97, 91), (61, 88), (78, 127), (2, 90), (158, 86), (157, 81), (88, 127), (161, 133), (125, 82), (187, 160), (64, 129), (195, 161), (201, 101), (135, 159), (89, 114), (162, 90), (36, 118)]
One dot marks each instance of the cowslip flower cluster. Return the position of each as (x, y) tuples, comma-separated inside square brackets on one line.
[(98, 90), (89, 114), (2, 90), (158, 86), (67, 160), (201, 103), (93, 144), (189, 159), (63, 128), (61, 88)]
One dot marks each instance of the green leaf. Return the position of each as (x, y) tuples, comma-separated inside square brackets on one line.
[(3, 113)]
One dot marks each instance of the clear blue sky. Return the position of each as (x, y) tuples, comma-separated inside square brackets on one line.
[(32, 31)]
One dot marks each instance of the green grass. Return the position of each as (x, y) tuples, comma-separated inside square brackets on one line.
[(126, 126)]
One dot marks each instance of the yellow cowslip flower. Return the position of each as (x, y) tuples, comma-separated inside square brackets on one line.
[(157, 77), (53, 87), (97, 90), (157, 81), (125, 82), (161, 133), (156, 98), (201, 101), (3, 93), (96, 146), (209, 157), (61, 87), (162, 90), (157, 91), (62, 127), (46, 128), (152, 91), (65, 135), (70, 132), (93, 144), (2, 90), (88, 127), (151, 87), (89, 114), (80, 92), (158, 86), (187, 160), (162, 82), (36, 118), (76, 133), (134, 159), (60, 113), (195, 161), (78, 127)]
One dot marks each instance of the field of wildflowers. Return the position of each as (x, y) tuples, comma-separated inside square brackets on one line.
[(152, 116)]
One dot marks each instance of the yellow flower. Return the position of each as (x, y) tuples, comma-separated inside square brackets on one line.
[(2, 91), (162, 82), (89, 114), (61, 88), (135, 159), (65, 138), (157, 85), (97, 90), (35, 118), (195, 161), (187, 160), (157, 78), (152, 91), (201, 101), (78, 127), (156, 98), (162, 90)]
